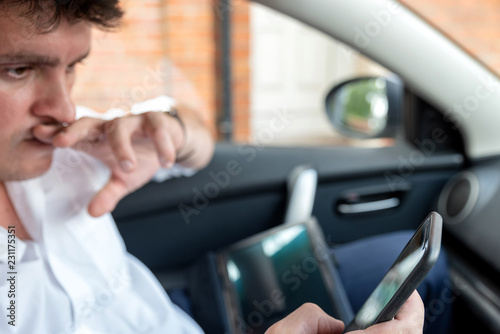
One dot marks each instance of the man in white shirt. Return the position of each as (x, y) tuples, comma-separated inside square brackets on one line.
[(60, 177)]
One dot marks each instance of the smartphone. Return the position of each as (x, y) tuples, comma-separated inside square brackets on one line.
[(404, 276)]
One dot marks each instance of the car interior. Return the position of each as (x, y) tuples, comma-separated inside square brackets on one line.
[(361, 191)]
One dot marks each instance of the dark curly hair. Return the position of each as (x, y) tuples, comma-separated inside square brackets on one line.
[(47, 14)]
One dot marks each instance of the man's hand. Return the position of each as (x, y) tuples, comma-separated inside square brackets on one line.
[(133, 147), (307, 319), (409, 320), (310, 319)]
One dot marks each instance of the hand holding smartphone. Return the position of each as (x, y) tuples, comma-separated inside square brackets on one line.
[(407, 272)]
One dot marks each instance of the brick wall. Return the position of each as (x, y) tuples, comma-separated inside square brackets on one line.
[(118, 73), (473, 24), (189, 46), (167, 47), (240, 69)]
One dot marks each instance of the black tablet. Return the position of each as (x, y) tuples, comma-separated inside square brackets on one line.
[(269, 275)]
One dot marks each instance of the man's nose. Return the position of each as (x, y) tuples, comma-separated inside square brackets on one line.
[(55, 101)]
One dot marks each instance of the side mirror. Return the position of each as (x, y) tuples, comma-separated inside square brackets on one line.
[(366, 107)]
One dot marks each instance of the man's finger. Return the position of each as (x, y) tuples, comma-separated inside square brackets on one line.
[(162, 139), (85, 129), (46, 132), (410, 319), (107, 198), (119, 134), (307, 319), (412, 309)]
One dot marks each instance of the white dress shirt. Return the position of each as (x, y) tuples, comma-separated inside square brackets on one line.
[(76, 276)]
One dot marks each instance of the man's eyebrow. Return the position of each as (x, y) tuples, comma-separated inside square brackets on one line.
[(26, 57), (82, 57), (33, 58)]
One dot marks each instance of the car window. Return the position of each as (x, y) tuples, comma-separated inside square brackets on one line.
[(293, 68), (280, 67)]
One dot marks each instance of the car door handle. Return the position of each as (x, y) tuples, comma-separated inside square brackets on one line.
[(367, 207)]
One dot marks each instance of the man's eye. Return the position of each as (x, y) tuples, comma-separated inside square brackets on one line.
[(71, 68), (18, 72)]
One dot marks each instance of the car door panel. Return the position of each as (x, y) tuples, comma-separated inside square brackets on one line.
[(163, 240), (476, 230), (415, 202), (243, 191)]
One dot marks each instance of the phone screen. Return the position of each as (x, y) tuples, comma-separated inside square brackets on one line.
[(394, 279)]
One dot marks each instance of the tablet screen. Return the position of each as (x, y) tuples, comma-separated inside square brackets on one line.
[(274, 275)]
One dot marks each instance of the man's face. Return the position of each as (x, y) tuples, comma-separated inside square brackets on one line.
[(37, 72)]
